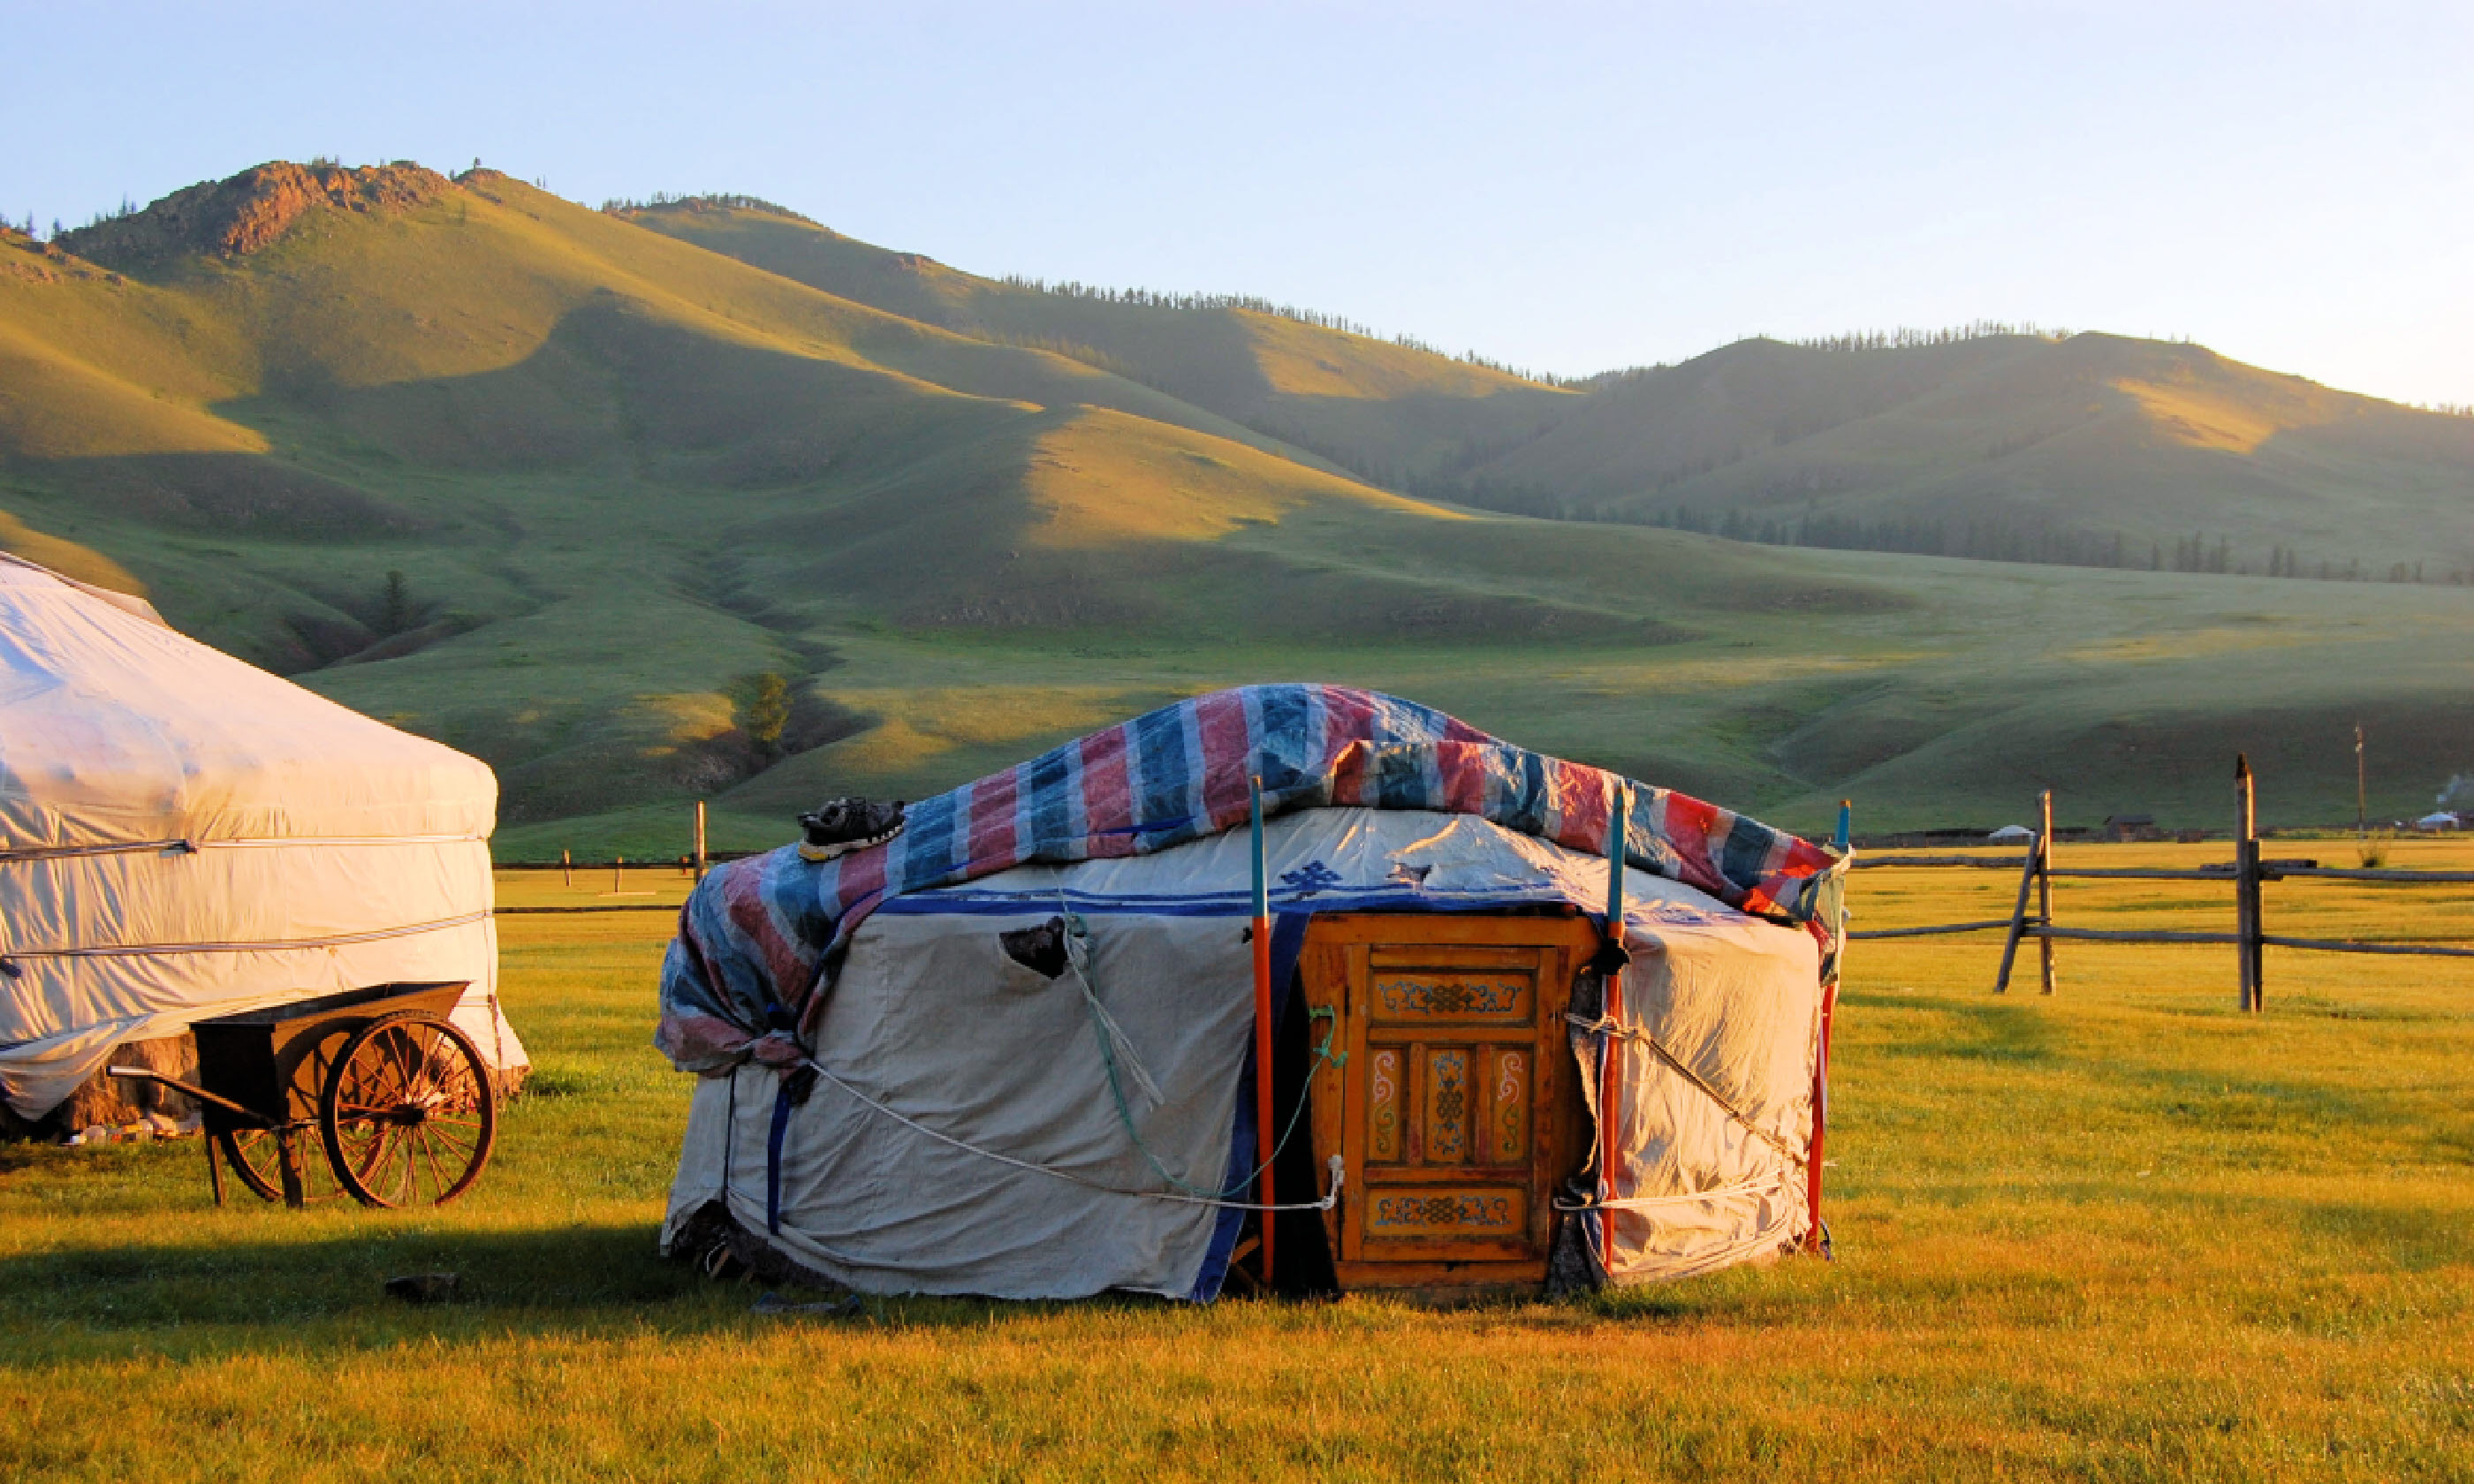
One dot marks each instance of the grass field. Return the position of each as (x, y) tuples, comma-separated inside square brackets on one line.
[(2122, 1233)]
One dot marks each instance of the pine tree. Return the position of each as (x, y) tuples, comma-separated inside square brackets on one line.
[(399, 603)]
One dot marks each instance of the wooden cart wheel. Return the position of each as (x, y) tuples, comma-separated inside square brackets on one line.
[(253, 1154), (256, 1157), (408, 1112)]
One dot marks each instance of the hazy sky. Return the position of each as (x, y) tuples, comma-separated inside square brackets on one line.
[(1567, 188)]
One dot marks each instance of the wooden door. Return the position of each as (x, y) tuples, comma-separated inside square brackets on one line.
[(1456, 1114)]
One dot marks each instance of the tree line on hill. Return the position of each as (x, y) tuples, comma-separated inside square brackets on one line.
[(1999, 540), (1154, 298), (709, 201), (1906, 338), (28, 228), (1983, 539)]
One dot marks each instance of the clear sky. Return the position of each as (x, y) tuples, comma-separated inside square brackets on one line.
[(1565, 188)]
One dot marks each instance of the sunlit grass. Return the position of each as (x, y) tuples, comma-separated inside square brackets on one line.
[(2126, 1232)]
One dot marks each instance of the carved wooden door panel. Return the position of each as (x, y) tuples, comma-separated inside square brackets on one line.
[(1455, 1110)]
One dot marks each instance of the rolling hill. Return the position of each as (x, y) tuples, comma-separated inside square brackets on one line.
[(2094, 435), (1388, 412), (2096, 449), (551, 483)]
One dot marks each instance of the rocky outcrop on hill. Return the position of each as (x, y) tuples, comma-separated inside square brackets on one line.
[(251, 210)]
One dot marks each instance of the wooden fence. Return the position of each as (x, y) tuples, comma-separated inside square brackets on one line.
[(2244, 872), (2037, 873), (693, 866)]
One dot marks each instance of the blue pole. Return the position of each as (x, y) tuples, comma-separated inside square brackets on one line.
[(1611, 959), (1262, 936), (1616, 830), (1262, 893)]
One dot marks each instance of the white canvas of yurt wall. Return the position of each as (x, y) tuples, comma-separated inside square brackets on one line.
[(183, 835)]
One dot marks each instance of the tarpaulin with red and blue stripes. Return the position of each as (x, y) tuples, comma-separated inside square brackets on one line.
[(758, 938)]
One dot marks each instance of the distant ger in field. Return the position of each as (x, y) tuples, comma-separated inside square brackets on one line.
[(184, 835)]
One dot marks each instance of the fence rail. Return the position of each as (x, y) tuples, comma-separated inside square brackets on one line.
[(2244, 872), (692, 865)]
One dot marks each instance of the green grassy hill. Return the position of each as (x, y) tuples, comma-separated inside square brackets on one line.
[(1388, 412), (2039, 444), (2095, 436), (550, 484)]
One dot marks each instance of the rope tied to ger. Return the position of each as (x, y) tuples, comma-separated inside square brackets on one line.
[(1330, 1200), (1112, 1040), (1118, 1060), (1795, 1158)]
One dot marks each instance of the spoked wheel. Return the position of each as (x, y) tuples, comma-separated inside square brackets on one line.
[(408, 1112), (256, 1157), (253, 1154)]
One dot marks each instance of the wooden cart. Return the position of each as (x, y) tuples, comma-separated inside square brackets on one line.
[(398, 1096)]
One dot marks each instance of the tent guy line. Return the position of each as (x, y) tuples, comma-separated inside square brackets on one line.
[(1759, 1184), (191, 847), (1602, 1025), (262, 945), (1330, 1199)]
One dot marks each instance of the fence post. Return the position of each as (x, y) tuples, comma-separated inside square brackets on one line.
[(699, 840), (618, 875), (2251, 952), (2027, 874), (2044, 881), (567, 867)]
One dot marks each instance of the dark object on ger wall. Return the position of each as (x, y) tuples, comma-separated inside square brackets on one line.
[(1040, 949), (839, 826)]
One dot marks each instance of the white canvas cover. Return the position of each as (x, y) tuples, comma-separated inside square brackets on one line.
[(930, 1021), (183, 835)]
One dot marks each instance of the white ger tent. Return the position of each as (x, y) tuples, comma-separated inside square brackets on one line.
[(897, 1096), (184, 835)]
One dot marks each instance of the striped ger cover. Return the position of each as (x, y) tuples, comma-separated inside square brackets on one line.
[(759, 937)]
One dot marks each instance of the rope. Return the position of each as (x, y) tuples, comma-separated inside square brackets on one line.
[(185, 846), (1606, 1027), (1330, 1200), (339, 940), (1110, 1038), (1644, 1201), (1114, 1044)]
